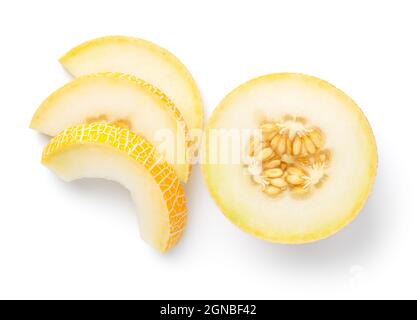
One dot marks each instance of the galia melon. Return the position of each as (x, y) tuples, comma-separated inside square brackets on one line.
[(100, 150), (145, 60), (122, 100), (289, 158)]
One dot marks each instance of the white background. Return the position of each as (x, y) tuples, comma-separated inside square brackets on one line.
[(80, 240)]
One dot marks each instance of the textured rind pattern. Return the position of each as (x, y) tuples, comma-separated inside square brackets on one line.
[(138, 149), (169, 104)]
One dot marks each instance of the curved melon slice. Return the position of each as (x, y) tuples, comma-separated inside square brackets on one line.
[(309, 162), (99, 150), (144, 60), (122, 99)]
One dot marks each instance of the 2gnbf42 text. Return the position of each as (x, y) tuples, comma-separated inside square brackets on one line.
[(215, 309)]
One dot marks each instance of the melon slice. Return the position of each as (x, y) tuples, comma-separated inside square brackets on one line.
[(289, 158), (144, 60), (99, 150), (124, 100)]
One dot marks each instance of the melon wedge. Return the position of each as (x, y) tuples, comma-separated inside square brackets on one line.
[(99, 150), (144, 60), (122, 99), (305, 168)]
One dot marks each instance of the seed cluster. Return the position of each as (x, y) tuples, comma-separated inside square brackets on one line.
[(288, 155)]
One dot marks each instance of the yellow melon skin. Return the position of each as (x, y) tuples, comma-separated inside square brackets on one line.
[(290, 220), (99, 150), (144, 60)]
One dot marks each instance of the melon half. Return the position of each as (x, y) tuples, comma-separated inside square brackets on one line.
[(289, 158), (144, 60)]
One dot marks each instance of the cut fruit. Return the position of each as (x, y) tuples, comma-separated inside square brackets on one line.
[(309, 164), (100, 150), (144, 60), (122, 100)]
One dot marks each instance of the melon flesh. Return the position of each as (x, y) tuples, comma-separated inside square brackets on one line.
[(120, 98), (95, 162), (351, 173), (142, 59), (99, 150)]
